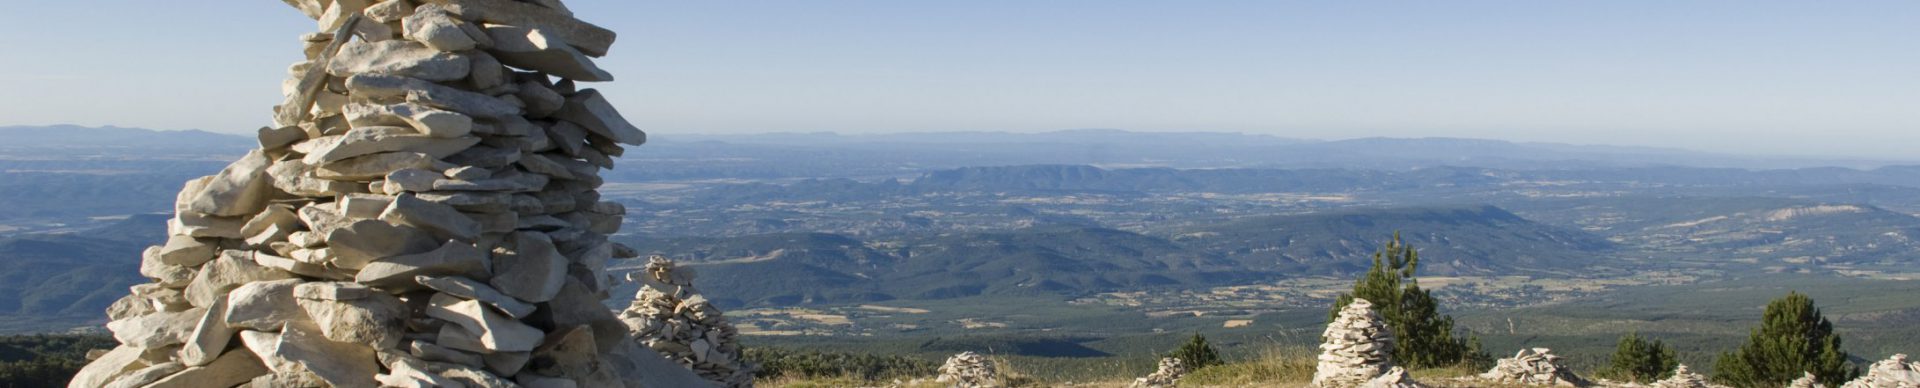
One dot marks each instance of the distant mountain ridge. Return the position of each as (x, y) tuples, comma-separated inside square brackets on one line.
[(1071, 260), (71, 136)]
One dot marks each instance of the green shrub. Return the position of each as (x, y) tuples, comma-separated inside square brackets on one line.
[(1641, 360), (1197, 353), (1793, 339), (778, 362)]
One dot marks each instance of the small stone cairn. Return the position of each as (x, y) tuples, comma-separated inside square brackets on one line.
[(423, 212), (671, 317), (1358, 352), (1893, 372), (1169, 374), (1806, 380), (1536, 366), (969, 370), (1685, 378)]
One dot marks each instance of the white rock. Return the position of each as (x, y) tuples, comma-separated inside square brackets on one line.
[(186, 251), (424, 119), (265, 306), (373, 140), (232, 269), (443, 221), (374, 166), (157, 330), (332, 291), (231, 368), (496, 333), (533, 49), (452, 259), (437, 29), (475, 290), (591, 111), (531, 269), (209, 337), (441, 96), (241, 189), (586, 37), (376, 320), (300, 349), (398, 57), (101, 371), (364, 241)]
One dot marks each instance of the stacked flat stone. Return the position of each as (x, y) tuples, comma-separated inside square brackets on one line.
[(423, 212), (1536, 366), (671, 317), (1893, 372), (1356, 350), (1168, 376), (1685, 378), (1806, 380), (969, 370)]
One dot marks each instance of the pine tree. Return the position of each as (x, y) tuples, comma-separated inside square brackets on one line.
[(1197, 353), (1423, 338), (1641, 360), (1793, 338)]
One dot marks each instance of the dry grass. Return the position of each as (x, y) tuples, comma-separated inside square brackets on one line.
[(1276, 367)]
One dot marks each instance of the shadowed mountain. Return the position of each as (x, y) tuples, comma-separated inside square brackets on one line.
[(1743, 228), (1452, 241)]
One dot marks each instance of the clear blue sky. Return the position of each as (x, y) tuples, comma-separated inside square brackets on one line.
[(1801, 77)]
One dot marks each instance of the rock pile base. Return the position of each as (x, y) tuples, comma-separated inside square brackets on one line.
[(969, 370), (1806, 380), (1893, 372), (669, 316), (1167, 376), (1357, 351), (1534, 366)]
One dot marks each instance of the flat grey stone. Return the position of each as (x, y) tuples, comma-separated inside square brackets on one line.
[(443, 221), (591, 111), (529, 268), (535, 50), (397, 273), (398, 57), (364, 241)]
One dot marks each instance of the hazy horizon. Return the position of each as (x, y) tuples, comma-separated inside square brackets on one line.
[(1750, 78)]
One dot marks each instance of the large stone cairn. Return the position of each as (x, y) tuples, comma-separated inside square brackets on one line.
[(1685, 378), (669, 316), (1893, 372), (1169, 374), (423, 212), (1536, 366), (969, 370), (1358, 352)]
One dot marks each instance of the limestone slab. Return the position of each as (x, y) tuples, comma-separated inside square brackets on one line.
[(241, 189), (230, 271), (452, 259), (362, 242), (443, 221), (533, 49), (588, 38), (398, 57), (593, 112), (497, 333), (531, 269), (475, 290)]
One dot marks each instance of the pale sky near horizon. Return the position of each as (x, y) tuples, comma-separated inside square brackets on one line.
[(1761, 77)]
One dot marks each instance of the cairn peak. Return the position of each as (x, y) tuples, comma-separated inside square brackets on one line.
[(423, 211)]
